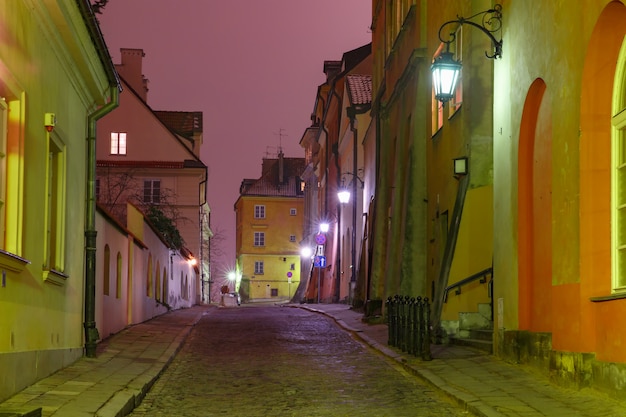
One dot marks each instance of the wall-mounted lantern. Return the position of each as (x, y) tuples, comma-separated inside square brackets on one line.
[(445, 69)]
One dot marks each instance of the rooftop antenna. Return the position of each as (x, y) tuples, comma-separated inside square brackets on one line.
[(281, 133)]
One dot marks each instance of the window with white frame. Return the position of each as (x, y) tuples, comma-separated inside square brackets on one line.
[(293, 212), (259, 212), (292, 238), (54, 242), (258, 268), (118, 143), (12, 107), (152, 191), (3, 165), (259, 238), (618, 201)]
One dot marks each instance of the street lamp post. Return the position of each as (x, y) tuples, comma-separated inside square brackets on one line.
[(344, 195)]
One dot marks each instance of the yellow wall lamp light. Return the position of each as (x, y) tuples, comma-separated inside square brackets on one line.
[(445, 68)]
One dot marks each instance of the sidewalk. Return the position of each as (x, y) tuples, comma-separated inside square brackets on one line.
[(113, 383), (483, 384), (128, 363)]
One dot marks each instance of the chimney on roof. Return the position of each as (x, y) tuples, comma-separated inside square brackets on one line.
[(130, 70), (331, 68), (281, 167)]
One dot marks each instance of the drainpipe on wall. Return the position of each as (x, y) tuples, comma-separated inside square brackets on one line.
[(91, 332)]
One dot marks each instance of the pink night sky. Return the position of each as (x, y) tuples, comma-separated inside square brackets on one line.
[(251, 66)]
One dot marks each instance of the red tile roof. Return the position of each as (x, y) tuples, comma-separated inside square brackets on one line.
[(185, 123), (359, 89)]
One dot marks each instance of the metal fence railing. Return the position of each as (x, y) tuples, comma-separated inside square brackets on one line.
[(408, 320)]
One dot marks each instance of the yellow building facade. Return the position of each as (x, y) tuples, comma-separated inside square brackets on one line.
[(269, 224), (56, 80), (536, 218), (559, 126)]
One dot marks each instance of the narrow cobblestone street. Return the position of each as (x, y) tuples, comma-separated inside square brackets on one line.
[(273, 361)]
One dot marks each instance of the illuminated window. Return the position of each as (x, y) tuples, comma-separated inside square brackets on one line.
[(457, 48), (259, 238), (618, 200), (437, 114), (152, 191), (437, 106), (3, 165), (54, 242), (118, 143), (258, 267), (259, 212)]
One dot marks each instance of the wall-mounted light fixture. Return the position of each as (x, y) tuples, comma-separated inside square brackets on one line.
[(445, 69), (49, 121), (344, 194), (460, 166)]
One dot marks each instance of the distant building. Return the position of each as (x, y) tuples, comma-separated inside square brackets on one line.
[(269, 223), (334, 153), (152, 159)]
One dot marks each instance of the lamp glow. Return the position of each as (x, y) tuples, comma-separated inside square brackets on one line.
[(343, 195), (445, 72), (306, 252)]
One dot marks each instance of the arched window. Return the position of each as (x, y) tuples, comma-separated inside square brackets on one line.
[(618, 192), (118, 281), (157, 286), (149, 277), (164, 296), (107, 270)]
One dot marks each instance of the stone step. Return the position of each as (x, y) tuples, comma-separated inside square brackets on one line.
[(483, 345), (481, 334)]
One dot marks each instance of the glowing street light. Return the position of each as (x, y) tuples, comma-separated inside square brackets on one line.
[(306, 252), (231, 277)]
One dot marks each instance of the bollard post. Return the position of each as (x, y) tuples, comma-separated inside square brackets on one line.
[(405, 330), (410, 346), (389, 310), (418, 326), (402, 326), (396, 319), (427, 355)]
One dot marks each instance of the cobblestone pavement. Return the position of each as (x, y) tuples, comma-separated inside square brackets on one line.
[(275, 361)]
